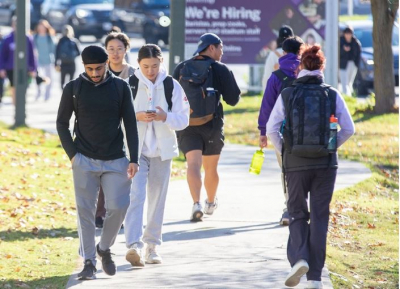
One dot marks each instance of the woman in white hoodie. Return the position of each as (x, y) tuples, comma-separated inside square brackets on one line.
[(157, 146)]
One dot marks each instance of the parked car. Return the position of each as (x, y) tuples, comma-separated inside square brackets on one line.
[(148, 18), (55, 10), (365, 75), (7, 10), (90, 19)]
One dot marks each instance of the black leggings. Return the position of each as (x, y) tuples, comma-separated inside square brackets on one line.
[(70, 70)]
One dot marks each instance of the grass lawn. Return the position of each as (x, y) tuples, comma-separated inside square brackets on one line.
[(363, 239), (38, 237)]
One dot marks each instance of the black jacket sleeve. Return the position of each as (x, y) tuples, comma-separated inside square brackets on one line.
[(65, 111), (129, 118), (227, 85)]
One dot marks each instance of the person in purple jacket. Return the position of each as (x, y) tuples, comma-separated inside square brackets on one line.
[(7, 57), (289, 65)]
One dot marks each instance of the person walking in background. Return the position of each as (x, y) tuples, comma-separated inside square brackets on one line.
[(117, 45), (7, 57), (272, 61), (67, 51), (161, 108), (100, 101), (202, 141), (44, 44), (281, 78), (350, 53), (310, 161)]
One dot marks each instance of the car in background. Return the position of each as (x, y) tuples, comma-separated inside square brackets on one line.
[(55, 10), (7, 10), (365, 74), (90, 19), (148, 18)]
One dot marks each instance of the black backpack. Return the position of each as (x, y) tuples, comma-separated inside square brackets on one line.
[(76, 89), (284, 79), (168, 88), (306, 126), (196, 79), (67, 51)]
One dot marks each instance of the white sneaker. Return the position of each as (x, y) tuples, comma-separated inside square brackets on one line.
[(311, 284), (209, 208), (197, 213), (298, 270), (152, 257), (134, 256)]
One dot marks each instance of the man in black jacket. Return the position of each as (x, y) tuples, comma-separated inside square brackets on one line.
[(202, 143), (100, 100), (350, 54)]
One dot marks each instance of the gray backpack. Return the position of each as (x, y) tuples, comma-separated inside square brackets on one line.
[(306, 126)]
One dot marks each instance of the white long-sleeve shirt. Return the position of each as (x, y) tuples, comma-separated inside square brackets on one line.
[(345, 121)]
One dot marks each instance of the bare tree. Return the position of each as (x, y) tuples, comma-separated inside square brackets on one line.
[(383, 15)]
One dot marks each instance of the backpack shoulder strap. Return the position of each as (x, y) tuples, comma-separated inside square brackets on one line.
[(280, 74), (133, 83), (168, 89), (332, 100), (76, 88)]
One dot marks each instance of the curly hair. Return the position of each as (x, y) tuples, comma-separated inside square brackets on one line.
[(313, 58)]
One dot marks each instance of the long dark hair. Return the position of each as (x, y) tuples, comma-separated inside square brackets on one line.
[(149, 51)]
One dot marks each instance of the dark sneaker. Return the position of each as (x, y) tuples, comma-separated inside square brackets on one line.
[(99, 222), (285, 219), (88, 272), (108, 264)]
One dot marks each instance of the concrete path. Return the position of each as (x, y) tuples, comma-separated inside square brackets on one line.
[(240, 246)]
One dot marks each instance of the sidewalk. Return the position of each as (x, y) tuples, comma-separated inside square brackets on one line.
[(240, 246)]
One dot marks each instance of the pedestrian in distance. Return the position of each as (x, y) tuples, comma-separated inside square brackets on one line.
[(309, 112), (161, 108), (67, 51), (206, 81), (117, 45), (7, 57), (279, 80), (272, 61), (100, 101), (45, 47), (350, 53)]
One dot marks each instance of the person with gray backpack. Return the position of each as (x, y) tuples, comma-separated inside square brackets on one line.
[(205, 81), (306, 114)]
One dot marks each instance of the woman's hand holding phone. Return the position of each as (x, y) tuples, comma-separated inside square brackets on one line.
[(146, 116)]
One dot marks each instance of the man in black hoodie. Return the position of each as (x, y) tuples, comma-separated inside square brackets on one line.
[(100, 100)]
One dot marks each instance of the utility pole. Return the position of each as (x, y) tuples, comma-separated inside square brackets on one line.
[(176, 33), (20, 60), (331, 42)]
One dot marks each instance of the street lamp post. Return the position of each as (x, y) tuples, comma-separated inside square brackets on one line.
[(176, 33), (20, 61)]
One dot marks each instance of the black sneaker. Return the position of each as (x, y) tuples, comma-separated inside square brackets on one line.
[(108, 264), (88, 272), (99, 222), (284, 219)]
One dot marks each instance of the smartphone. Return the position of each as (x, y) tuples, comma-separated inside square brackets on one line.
[(150, 111)]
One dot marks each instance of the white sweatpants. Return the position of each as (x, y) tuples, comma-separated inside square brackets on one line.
[(151, 180), (45, 70), (347, 77)]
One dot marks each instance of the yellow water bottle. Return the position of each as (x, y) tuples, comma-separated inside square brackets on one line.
[(257, 162)]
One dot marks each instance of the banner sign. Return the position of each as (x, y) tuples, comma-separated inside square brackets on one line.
[(249, 28)]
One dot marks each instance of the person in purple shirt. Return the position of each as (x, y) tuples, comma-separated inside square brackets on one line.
[(289, 65), (7, 57)]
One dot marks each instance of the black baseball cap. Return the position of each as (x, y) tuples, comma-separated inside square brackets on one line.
[(206, 40), (285, 32)]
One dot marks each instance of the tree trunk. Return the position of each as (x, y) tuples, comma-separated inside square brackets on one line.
[(383, 13)]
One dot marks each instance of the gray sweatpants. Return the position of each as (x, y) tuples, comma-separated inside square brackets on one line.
[(152, 182), (88, 175)]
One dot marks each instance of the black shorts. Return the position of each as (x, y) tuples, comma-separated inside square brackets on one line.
[(209, 138), (10, 76)]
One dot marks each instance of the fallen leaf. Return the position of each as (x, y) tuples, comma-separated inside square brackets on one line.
[(371, 226)]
